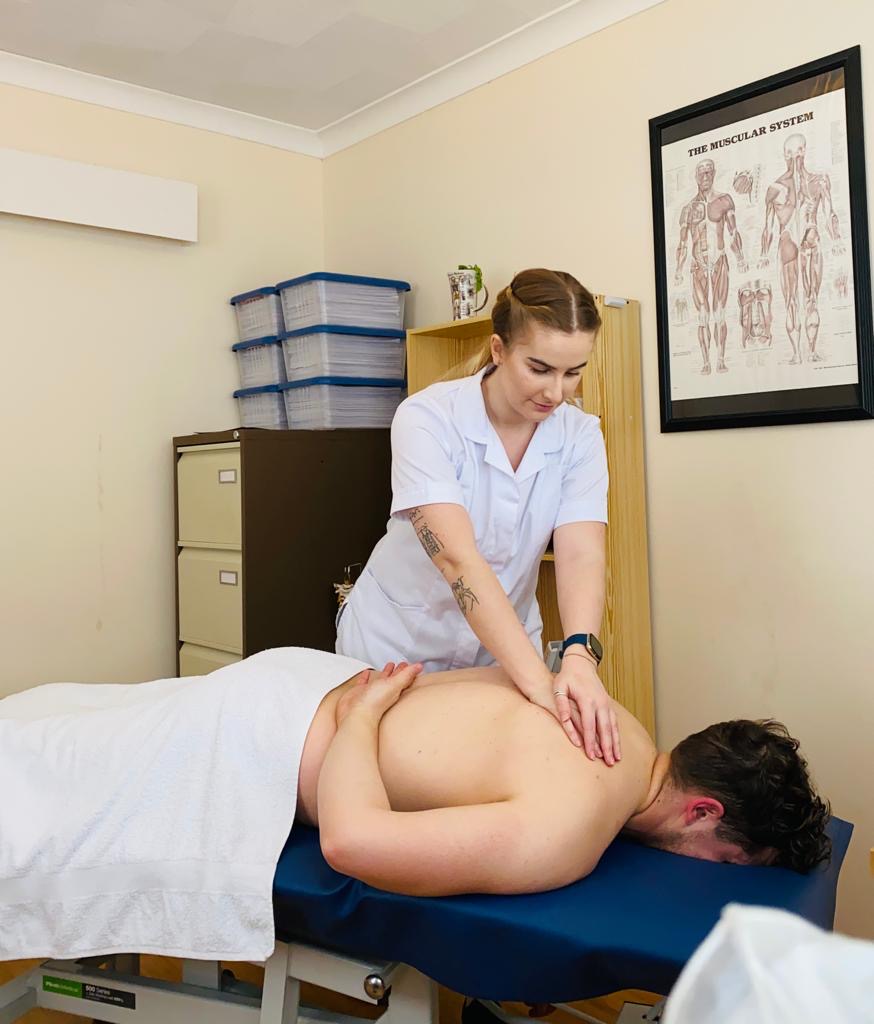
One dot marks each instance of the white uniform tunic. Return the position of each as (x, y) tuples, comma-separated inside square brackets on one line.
[(445, 450)]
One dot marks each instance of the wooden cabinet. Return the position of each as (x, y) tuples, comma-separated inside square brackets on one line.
[(611, 389), (266, 521)]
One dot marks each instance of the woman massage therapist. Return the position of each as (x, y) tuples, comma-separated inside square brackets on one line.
[(486, 469)]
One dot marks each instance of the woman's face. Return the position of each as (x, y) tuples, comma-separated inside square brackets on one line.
[(541, 369)]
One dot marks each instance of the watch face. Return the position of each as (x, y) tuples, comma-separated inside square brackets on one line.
[(595, 646)]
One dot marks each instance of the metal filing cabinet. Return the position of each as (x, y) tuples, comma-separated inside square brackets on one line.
[(266, 521)]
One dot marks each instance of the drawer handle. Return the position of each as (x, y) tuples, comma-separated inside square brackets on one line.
[(227, 476), (227, 577)]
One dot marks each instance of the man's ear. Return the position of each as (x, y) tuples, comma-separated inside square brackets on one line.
[(699, 809)]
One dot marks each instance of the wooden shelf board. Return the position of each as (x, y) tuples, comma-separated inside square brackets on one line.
[(472, 327)]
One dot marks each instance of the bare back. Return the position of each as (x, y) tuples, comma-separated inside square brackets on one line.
[(469, 737)]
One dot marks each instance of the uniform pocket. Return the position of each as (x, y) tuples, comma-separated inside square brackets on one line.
[(403, 602)]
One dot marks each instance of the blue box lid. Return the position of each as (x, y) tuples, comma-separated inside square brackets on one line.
[(363, 332), (265, 389), (267, 290), (343, 382), (271, 339), (324, 275)]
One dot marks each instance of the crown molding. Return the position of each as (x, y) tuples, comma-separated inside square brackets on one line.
[(530, 42), (137, 99), (575, 20)]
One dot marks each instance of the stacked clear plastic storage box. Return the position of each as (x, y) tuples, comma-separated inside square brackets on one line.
[(259, 313), (344, 350), (342, 300), (260, 359), (337, 351)]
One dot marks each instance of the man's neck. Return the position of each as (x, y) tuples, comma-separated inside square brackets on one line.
[(649, 811)]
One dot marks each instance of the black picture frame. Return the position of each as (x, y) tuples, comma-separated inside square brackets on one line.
[(758, 336)]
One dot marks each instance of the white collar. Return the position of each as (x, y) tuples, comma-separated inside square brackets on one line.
[(474, 423)]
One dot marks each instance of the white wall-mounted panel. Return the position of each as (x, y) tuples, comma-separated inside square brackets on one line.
[(34, 185)]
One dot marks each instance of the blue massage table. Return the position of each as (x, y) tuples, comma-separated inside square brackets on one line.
[(633, 923)]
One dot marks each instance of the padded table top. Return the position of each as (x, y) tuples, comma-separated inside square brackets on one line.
[(633, 923)]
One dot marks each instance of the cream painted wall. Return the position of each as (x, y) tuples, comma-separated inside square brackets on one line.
[(762, 558), (113, 343)]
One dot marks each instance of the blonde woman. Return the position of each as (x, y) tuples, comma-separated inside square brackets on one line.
[(486, 469)]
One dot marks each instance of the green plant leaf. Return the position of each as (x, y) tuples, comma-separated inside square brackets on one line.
[(478, 281)]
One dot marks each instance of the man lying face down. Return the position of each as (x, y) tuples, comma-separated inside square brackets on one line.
[(453, 782)]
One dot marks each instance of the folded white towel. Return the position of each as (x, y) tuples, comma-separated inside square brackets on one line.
[(150, 817)]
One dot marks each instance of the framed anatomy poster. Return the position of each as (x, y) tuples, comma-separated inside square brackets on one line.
[(761, 252)]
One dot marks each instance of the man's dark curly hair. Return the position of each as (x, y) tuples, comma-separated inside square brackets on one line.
[(755, 771)]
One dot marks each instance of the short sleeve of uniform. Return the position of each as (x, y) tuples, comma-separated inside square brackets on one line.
[(422, 469), (584, 478)]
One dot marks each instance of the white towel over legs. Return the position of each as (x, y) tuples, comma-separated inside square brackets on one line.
[(149, 817)]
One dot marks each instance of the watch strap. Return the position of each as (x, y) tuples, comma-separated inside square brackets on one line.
[(583, 640)]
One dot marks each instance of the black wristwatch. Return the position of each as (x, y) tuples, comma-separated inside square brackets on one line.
[(589, 641)]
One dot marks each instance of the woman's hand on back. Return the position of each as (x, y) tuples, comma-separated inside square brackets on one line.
[(375, 692), (585, 706), (576, 698)]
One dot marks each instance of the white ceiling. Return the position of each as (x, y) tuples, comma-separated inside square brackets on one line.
[(303, 63)]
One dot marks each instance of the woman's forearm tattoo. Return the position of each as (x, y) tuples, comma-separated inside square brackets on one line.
[(427, 538), (465, 597)]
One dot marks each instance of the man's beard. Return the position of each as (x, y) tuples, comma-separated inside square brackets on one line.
[(665, 839)]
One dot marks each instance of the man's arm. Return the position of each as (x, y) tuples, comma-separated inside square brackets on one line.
[(509, 846)]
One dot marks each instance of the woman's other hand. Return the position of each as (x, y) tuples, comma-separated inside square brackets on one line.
[(375, 692)]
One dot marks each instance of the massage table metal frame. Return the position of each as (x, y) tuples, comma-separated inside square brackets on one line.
[(212, 995), (208, 994), (645, 913)]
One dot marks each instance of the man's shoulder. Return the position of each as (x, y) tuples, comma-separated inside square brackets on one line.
[(557, 776), (569, 809)]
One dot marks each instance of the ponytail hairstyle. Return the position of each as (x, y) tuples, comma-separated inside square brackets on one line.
[(551, 298)]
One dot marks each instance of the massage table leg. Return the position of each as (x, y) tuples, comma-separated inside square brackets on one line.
[(411, 997), (280, 998), (202, 973), (16, 998)]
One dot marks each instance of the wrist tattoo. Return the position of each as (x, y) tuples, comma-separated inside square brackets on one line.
[(427, 537), (464, 596)]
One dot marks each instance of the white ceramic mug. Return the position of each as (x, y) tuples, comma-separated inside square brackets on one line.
[(462, 288)]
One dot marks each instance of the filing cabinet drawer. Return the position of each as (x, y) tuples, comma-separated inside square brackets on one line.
[(208, 482), (211, 598), (200, 661)]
